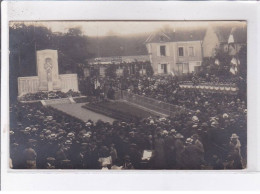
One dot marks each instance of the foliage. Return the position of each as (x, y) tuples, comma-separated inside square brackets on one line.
[(210, 67), (242, 56), (111, 71), (25, 40), (149, 69)]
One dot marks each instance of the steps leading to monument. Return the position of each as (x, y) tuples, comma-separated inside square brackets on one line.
[(57, 101)]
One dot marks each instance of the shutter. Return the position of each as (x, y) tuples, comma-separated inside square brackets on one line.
[(159, 68), (158, 51), (167, 50)]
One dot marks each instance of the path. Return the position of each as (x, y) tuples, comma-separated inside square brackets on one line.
[(83, 114)]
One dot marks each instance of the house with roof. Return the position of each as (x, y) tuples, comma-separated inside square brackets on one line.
[(216, 37), (229, 39), (176, 52), (182, 51), (236, 40)]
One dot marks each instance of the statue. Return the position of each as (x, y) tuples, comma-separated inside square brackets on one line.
[(48, 67)]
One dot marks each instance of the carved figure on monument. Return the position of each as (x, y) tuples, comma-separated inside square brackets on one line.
[(48, 67)]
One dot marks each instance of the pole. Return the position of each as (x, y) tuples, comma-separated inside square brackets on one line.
[(35, 49)]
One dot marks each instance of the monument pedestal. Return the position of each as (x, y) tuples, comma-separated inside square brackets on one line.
[(50, 86)]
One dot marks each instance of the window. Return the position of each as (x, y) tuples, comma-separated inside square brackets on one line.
[(162, 50), (162, 66), (181, 52), (191, 51)]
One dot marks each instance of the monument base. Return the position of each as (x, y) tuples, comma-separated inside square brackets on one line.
[(31, 84), (50, 86)]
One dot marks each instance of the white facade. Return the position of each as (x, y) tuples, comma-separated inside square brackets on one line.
[(175, 57)]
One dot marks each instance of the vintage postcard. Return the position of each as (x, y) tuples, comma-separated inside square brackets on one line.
[(128, 95)]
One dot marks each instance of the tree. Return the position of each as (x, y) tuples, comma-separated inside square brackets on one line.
[(149, 69), (111, 71), (242, 81), (73, 50), (224, 63), (242, 56), (24, 41)]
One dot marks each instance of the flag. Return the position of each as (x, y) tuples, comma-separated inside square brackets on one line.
[(97, 84), (233, 70), (235, 61), (216, 62)]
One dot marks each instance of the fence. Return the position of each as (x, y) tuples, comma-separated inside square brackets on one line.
[(155, 105), (211, 87)]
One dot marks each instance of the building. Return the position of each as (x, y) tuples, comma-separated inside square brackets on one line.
[(182, 51), (118, 59), (176, 52), (237, 39), (130, 63), (216, 37), (229, 39)]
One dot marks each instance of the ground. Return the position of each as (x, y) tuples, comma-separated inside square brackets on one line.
[(120, 110), (76, 110)]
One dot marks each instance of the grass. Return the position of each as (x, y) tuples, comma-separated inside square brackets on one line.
[(118, 110)]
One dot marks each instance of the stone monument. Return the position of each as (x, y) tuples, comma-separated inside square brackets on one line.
[(47, 69), (48, 78)]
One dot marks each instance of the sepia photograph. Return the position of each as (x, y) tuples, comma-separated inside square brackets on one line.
[(128, 95)]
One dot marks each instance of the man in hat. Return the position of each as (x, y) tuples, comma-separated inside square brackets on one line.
[(127, 163), (235, 152), (30, 155), (170, 149), (113, 153), (179, 149), (191, 155), (159, 153), (199, 147)]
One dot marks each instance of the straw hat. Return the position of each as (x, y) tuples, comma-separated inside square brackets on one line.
[(179, 136), (70, 135), (194, 126), (213, 124), (53, 135), (88, 124), (27, 129), (68, 142), (189, 140), (234, 136), (164, 132), (195, 119), (225, 116)]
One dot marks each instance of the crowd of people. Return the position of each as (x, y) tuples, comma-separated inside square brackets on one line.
[(211, 136)]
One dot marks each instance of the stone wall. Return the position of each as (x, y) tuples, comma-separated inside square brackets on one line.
[(28, 85), (31, 84), (69, 82)]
